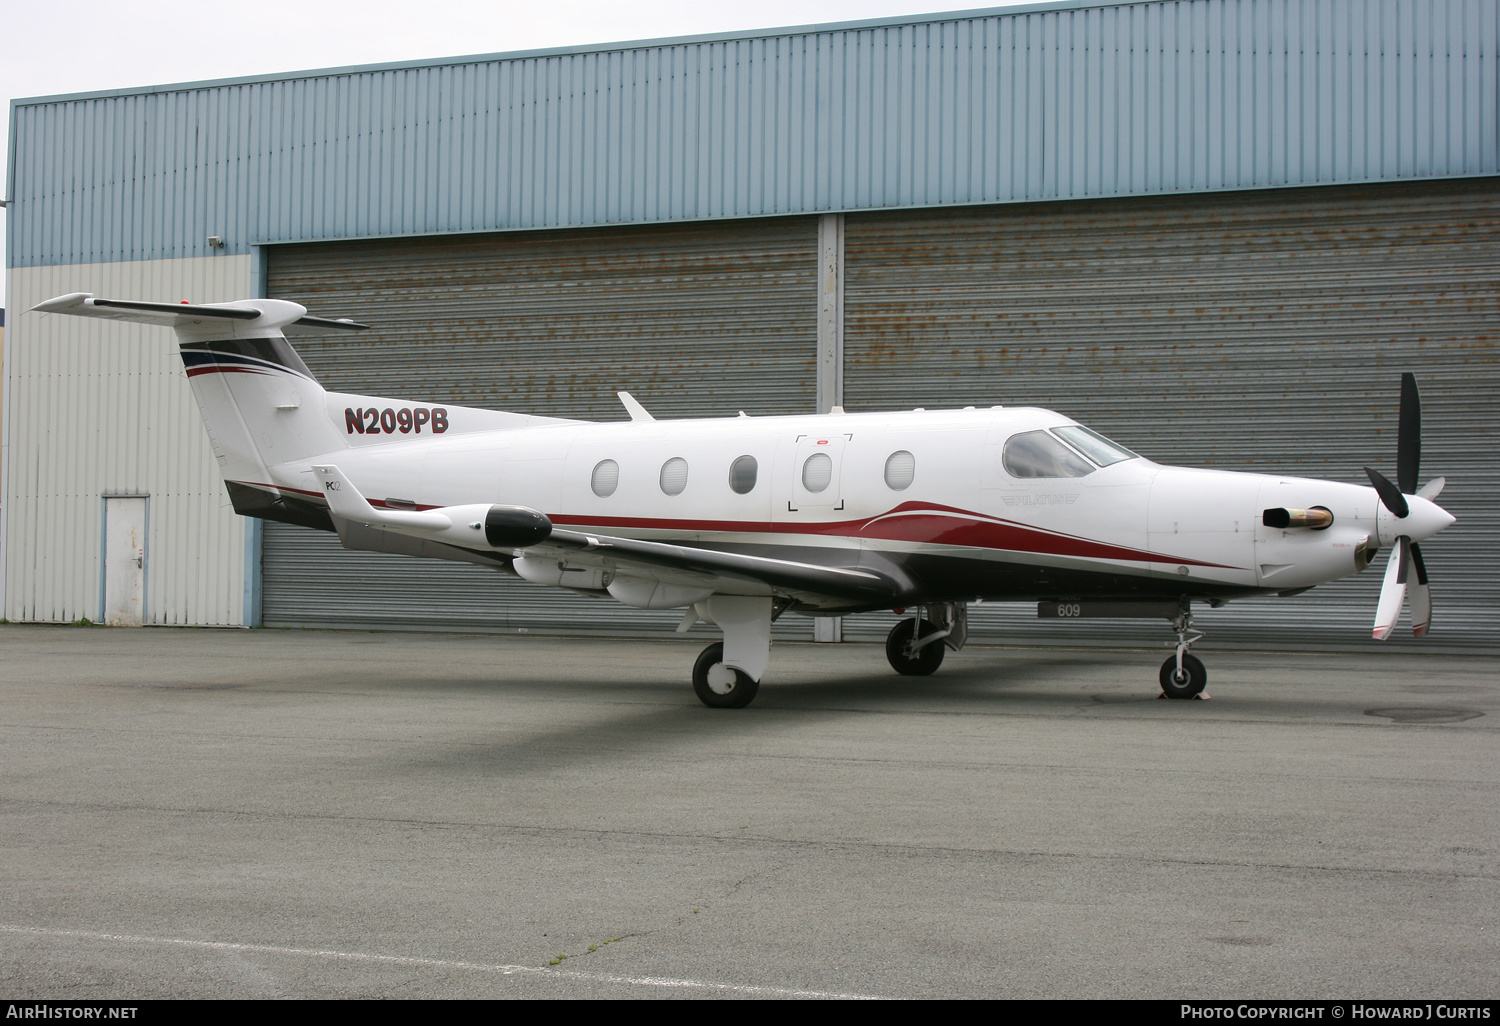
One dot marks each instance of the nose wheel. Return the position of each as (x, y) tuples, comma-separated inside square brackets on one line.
[(1186, 681), (914, 648), (1183, 674)]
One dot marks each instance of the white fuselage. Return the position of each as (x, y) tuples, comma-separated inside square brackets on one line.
[(963, 525)]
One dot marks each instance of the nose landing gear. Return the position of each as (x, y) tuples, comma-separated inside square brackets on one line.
[(1183, 675), (915, 646), (911, 648)]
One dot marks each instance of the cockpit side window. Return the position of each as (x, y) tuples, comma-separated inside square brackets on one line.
[(1038, 454)]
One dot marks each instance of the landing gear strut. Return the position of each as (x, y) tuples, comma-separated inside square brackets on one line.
[(1183, 675), (915, 646)]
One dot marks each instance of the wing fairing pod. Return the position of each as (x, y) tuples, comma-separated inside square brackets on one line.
[(513, 527)]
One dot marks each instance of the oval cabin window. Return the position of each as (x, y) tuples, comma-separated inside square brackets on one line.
[(742, 474), (817, 471), (900, 470), (674, 475), (606, 478)]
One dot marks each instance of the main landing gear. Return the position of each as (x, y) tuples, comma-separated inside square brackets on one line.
[(719, 686), (727, 674), (915, 646), (1183, 675)]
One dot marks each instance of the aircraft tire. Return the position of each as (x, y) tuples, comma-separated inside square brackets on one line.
[(740, 694), (1194, 674), (927, 659)]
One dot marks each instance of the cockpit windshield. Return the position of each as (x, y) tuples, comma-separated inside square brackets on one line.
[(1043, 454), (1038, 454), (1094, 445)]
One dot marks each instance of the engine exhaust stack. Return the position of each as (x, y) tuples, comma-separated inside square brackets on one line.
[(1315, 519)]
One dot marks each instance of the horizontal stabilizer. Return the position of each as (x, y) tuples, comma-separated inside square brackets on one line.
[(275, 313), (311, 325)]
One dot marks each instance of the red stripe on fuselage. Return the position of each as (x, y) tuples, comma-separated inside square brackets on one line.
[(908, 522), (936, 525), (221, 368)]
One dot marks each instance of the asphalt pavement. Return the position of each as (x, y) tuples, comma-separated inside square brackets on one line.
[(201, 813)]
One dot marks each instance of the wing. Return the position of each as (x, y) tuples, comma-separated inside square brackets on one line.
[(490, 529), (732, 573)]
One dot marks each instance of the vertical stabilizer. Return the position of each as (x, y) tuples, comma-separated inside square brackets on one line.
[(260, 403)]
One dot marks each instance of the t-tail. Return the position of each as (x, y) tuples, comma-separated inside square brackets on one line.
[(260, 403), (262, 406)]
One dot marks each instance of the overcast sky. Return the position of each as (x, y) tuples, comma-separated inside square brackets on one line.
[(68, 46)]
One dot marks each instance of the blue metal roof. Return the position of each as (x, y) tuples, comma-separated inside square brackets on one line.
[(1055, 101), (633, 44)]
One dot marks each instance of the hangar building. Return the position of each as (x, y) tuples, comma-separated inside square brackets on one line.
[(1216, 230)]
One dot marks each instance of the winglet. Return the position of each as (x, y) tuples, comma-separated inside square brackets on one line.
[(633, 407)]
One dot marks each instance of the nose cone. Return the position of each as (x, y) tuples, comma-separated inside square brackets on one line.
[(1424, 519)]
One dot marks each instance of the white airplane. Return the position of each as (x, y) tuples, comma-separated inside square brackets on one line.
[(739, 520)]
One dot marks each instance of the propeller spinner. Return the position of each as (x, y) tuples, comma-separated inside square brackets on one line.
[(1417, 517)]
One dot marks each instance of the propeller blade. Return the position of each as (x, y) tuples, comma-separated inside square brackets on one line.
[(1390, 495), (1418, 593), (1432, 489), (1392, 590), (1408, 436)]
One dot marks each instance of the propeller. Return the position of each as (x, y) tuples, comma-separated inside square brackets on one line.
[(1405, 573)]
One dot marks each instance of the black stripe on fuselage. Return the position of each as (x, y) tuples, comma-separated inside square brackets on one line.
[(937, 577), (276, 352), (249, 501)]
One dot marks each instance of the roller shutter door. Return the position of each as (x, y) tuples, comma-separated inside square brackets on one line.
[(1260, 331), (695, 320)]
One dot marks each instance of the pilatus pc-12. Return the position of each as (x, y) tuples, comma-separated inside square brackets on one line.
[(740, 520)]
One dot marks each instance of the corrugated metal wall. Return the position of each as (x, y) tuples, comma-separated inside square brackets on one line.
[(694, 320), (1262, 331), (1080, 101), (1257, 331), (101, 407)]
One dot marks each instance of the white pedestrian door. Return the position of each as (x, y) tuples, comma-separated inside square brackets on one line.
[(124, 561)]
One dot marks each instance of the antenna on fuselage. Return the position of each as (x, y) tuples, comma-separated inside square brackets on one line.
[(633, 407)]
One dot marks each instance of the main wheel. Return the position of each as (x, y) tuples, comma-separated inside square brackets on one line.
[(927, 658), (718, 686), (1187, 684)]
